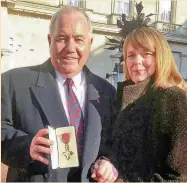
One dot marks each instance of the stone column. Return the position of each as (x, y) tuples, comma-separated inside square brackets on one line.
[(132, 7), (173, 11)]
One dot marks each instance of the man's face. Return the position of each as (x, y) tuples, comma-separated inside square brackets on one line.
[(70, 44)]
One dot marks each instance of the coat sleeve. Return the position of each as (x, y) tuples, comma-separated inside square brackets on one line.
[(174, 117), (106, 147), (15, 144), (115, 109)]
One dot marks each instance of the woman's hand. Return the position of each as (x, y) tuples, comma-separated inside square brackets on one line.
[(104, 171)]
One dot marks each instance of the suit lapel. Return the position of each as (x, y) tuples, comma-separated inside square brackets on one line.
[(93, 122), (47, 95)]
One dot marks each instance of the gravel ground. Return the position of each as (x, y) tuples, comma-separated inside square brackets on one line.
[(4, 169)]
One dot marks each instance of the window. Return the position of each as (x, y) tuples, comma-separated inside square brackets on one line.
[(78, 3), (118, 68), (123, 7), (165, 10)]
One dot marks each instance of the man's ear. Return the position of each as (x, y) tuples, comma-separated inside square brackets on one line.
[(49, 39), (91, 40)]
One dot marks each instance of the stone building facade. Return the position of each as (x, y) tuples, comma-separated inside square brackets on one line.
[(25, 28), (25, 25)]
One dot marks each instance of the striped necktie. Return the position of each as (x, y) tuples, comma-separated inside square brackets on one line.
[(75, 114)]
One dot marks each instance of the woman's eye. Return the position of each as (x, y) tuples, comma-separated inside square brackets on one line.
[(130, 56), (147, 54)]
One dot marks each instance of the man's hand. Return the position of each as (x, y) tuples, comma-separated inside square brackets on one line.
[(104, 171), (40, 146)]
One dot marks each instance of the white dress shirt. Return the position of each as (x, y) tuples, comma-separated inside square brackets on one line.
[(79, 87)]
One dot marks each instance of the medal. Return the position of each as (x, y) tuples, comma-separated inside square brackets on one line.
[(65, 138)]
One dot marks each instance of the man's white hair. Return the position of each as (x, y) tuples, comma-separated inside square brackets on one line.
[(65, 10)]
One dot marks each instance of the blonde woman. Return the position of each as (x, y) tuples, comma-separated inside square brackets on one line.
[(149, 141)]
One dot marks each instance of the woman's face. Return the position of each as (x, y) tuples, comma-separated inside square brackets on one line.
[(141, 63)]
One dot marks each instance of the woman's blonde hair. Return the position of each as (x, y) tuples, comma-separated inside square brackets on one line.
[(148, 38)]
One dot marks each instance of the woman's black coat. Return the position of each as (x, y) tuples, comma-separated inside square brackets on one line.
[(149, 141)]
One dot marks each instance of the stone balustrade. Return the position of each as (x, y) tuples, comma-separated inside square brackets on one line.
[(166, 26)]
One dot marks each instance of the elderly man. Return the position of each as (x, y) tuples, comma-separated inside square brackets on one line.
[(33, 97)]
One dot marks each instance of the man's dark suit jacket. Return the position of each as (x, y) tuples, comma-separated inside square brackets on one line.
[(30, 101)]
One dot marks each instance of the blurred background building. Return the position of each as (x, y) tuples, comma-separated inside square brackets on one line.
[(25, 25)]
